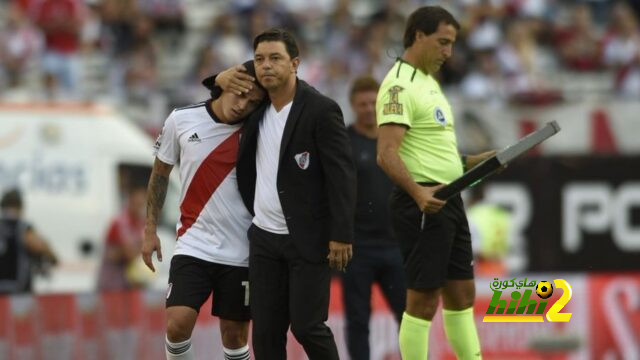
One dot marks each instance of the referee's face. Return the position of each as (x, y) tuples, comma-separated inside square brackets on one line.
[(436, 48), (274, 66)]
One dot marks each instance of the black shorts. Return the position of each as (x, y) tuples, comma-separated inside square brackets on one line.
[(192, 280), (439, 251)]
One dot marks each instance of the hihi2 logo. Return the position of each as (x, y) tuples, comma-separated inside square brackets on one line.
[(521, 307)]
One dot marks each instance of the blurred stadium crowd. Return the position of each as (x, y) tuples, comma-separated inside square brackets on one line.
[(147, 56)]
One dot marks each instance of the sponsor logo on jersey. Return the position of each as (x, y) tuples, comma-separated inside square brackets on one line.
[(194, 138)]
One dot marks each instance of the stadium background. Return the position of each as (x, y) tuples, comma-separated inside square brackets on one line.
[(575, 200)]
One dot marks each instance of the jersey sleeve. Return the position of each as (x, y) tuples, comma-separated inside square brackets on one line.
[(167, 146), (393, 104)]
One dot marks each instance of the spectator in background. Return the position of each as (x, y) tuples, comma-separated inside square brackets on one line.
[(141, 74), (377, 257), (61, 22), (167, 17), (525, 65), (483, 24), (145, 100), (119, 19), (21, 247), (20, 46), (579, 44), (119, 270), (622, 50), (226, 39), (490, 227), (484, 81)]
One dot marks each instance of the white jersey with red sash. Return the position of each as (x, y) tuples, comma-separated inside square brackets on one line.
[(213, 219)]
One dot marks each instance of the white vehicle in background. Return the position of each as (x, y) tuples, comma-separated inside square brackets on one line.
[(73, 163)]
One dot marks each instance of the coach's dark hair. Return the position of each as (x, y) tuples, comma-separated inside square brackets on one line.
[(426, 19), (278, 34)]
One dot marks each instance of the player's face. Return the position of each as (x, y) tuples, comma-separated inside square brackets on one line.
[(363, 104), (236, 107), (274, 66), (437, 47)]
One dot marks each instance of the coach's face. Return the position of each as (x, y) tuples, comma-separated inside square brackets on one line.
[(437, 47), (274, 66)]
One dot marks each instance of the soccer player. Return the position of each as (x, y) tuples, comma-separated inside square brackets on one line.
[(376, 255), (212, 250), (417, 149)]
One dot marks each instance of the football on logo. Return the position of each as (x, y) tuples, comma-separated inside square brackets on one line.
[(544, 289)]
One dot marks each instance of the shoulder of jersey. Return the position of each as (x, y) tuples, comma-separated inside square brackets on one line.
[(402, 72), (189, 110)]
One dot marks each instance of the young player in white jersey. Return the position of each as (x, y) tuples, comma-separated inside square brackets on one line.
[(212, 250)]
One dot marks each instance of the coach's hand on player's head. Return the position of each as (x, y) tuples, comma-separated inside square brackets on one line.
[(339, 255), (151, 243), (236, 80), (426, 200)]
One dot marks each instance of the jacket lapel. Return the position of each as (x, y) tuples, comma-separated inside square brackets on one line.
[(249, 133), (294, 115)]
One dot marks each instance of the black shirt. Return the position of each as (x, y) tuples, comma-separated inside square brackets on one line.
[(372, 223), (15, 274)]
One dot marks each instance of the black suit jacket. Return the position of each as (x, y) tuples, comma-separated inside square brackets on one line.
[(318, 201)]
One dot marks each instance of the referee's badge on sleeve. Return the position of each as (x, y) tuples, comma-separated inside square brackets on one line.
[(393, 107), (439, 116)]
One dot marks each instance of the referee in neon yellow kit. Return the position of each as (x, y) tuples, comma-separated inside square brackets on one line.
[(417, 149)]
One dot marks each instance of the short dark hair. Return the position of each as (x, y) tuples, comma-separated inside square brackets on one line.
[(427, 19), (362, 84), (11, 199), (278, 34)]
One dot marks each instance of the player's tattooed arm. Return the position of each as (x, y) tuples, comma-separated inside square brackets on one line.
[(156, 193)]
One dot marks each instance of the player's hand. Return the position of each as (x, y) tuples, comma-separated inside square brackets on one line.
[(151, 243), (426, 200), (473, 160), (236, 80), (339, 255)]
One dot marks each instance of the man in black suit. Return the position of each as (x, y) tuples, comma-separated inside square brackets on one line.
[(296, 175)]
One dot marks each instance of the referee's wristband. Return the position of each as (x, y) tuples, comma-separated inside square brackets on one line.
[(463, 158)]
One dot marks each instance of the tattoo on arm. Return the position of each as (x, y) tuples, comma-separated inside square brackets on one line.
[(156, 193)]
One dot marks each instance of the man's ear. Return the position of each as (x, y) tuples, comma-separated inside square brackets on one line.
[(296, 63)]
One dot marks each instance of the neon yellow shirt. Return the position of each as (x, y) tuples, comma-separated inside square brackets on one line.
[(409, 97)]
